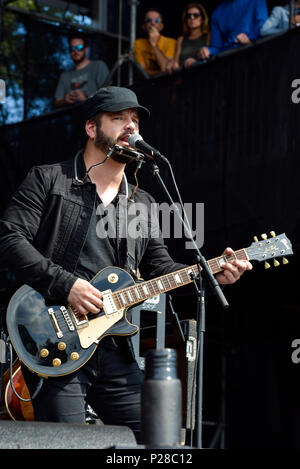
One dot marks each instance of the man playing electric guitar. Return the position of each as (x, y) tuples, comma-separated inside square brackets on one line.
[(49, 237)]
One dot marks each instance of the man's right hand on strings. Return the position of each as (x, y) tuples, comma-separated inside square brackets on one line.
[(84, 298)]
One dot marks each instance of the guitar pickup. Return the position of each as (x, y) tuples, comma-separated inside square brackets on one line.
[(109, 305), (55, 323), (79, 322)]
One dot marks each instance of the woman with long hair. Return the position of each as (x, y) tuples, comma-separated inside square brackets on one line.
[(195, 34)]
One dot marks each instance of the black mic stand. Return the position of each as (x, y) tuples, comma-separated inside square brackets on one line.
[(200, 291)]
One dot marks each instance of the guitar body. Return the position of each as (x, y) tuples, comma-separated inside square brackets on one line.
[(51, 348)]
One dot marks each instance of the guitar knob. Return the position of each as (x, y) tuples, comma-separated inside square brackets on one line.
[(264, 236), (44, 353), (61, 346), (74, 356), (272, 233), (255, 239), (267, 265), (56, 362), (113, 278), (284, 260), (276, 263)]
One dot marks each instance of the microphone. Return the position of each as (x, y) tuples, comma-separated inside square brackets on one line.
[(136, 141)]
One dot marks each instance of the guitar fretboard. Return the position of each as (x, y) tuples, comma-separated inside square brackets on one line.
[(145, 290)]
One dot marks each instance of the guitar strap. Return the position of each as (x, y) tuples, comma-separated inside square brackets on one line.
[(126, 226), (131, 257)]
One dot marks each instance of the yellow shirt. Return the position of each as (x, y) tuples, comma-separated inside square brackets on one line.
[(144, 53)]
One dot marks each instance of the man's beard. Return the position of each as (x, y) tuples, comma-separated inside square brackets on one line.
[(105, 143), (79, 60)]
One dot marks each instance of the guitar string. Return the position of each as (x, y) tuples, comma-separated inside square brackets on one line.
[(170, 281)]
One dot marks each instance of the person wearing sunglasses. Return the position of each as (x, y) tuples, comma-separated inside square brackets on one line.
[(195, 35), (234, 23), (84, 79), (155, 50), (279, 19)]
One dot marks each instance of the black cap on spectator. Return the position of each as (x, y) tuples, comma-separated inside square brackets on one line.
[(113, 99)]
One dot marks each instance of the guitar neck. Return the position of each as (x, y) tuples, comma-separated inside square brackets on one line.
[(145, 290)]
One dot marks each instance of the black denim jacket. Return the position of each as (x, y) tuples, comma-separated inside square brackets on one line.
[(45, 225)]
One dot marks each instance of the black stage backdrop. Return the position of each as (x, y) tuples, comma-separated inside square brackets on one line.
[(230, 130)]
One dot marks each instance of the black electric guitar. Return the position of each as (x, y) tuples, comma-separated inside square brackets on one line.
[(53, 341)]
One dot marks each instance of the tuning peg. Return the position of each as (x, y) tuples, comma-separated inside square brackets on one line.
[(255, 239), (276, 263), (273, 234), (267, 265), (264, 236), (284, 260)]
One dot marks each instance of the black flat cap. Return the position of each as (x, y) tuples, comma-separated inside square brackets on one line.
[(113, 99)]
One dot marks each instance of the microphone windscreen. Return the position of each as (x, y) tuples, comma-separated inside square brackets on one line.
[(133, 139)]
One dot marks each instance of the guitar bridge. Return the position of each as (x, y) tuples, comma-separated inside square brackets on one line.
[(67, 318)]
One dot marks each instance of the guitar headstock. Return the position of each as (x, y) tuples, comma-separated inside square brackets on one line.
[(270, 248)]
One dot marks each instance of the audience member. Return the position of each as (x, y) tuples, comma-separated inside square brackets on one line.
[(154, 51), (195, 35), (85, 79), (279, 20), (235, 23)]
